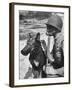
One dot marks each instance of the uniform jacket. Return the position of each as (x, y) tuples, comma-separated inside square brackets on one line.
[(57, 51)]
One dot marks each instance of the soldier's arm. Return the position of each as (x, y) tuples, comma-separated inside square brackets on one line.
[(59, 57)]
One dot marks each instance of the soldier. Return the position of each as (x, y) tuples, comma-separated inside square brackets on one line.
[(56, 57)]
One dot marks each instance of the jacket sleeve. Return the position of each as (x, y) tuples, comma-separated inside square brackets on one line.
[(58, 55)]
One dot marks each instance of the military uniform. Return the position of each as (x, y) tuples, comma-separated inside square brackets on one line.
[(57, 52)]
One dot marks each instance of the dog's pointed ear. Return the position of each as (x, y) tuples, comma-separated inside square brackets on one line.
[(38, 37)]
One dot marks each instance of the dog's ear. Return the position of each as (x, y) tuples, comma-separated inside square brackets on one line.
[(37, 37)]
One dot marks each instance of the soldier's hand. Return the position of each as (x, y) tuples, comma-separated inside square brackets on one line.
[(50, 70)]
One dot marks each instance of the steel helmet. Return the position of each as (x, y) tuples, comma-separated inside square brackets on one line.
[(55, 21)]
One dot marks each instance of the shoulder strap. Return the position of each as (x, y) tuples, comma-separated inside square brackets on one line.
[(44, 47)]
